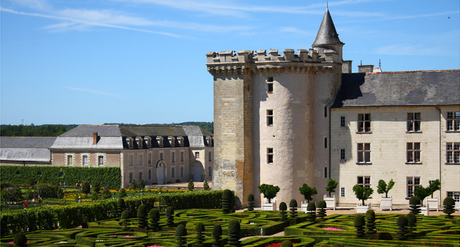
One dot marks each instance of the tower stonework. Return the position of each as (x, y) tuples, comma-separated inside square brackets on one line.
[(271, 116)]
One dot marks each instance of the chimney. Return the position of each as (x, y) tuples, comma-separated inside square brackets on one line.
[(94, 138), (365, 68), (346, 66)]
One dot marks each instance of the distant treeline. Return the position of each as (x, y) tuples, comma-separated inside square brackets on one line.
[(58, 129), (35, 130)]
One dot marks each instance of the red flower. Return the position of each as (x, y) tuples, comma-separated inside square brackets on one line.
[(26, 204)]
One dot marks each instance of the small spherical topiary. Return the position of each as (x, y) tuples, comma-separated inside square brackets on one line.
[(402, 227), (311, 206), (170, 216), (321, 204), (402, 220), (283, 206), (250, 202), (415, 200), (234, 226), (293, 203), (370, 215), (449, 206), (286, 243), (411, 219), (181, 230), (20, 239), (370, 224), (125, 214), (250, 197), (359, 220)]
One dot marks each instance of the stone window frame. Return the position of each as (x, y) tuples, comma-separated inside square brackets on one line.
[(270, 85), (83, 155), (364, 123), (182, 171), (413, 153), (159, 140), (455, 195), (342, 121), (99, 158), (129, 141), (150, 174), (269, 117), (453, 153), (72, 159), (453, 121), (270, 156), (412, 183), (140, 142), (414, 122), (364, 181), (364, 153), (342, 192)]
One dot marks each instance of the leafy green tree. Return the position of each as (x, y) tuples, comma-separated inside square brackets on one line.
[(362, 193), (422, 193), (141, 184), (269, 191), (434, 185), (308, 192), (191, 185), (331, 185), (382, 187), (133, 185), (206, 185)]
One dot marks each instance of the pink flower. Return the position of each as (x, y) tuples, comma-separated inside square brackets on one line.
[(332, 229), (128, 236), (112, 235), (155, 246)]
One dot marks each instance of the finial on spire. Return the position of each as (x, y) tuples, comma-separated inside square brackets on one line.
[(327, 4)]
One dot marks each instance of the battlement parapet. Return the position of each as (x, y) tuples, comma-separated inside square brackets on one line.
[(260, 56)]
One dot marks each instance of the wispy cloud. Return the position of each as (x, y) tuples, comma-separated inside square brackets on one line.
[(96, 92)]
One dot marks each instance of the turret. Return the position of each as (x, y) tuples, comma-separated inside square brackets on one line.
[(327, 41)]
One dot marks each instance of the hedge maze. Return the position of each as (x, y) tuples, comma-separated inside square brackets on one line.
[(255, 228)]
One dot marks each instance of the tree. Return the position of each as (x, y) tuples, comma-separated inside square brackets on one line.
[(331, 185), (449, 206), (308, 192), (206, 185), (269, 191), (422, 193), (141, 184), (382, 187), (362, 193), (434, 185), (191, 185)]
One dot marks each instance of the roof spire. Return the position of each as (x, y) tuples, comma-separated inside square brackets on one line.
[(327, 35)]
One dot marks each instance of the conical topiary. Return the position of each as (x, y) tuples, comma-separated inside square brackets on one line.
[(293, 208), (125, 218), (234, 233), (311, 211), (121, 206), (283, 208), (321, 206), (370, 224), (227, 197), (359, 223), (181, 232), (449, 206), (411, 222), (414, 204), (154, 217), (199, 228), (170, 216), (402, 227), (250, 202), (141, 216), (216, 235)]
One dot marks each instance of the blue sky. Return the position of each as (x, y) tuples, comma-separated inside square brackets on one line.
[(143, 61)]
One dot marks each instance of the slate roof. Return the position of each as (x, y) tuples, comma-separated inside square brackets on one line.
[(327, 35), (26, 148), (407, 88)]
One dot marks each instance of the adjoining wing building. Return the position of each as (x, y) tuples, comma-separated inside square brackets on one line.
[(304, 117)]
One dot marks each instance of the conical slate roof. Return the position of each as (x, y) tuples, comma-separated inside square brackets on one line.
[(327, 35)]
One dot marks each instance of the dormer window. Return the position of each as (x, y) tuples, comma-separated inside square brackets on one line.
[(139, 141), (209, 141), (180, 140), (148, 141), (129, 142), (172, 141), (160, 141)]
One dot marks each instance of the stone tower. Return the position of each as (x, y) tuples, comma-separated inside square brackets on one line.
[(271, 116)]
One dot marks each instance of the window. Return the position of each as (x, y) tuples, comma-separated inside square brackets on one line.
[(197, 155), (161, 156), (342, 121), (172, 172), (269, 155), (140, 175), (412, 184), (69, 160), (413, 152), (173, 157), (270, 85), (181, 172), (269, 117), (364, 152), (325, 111), (453, 152), (210, 156), (181, 156), (325, 172), (364, 181), (454, 194), (100, 160), (413, 122), (150, 174), (130, 177), (342, 192), (325, 142), (85, 160), (364, 123), (140, 160), (453, 121), (342, 154)]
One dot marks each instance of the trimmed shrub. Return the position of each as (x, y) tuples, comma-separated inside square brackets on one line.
[(191, 185), (449, 206), (286, 243), (216, 235), (120, 206), (125, 218), (411, 222), (133, 185), (234, 232), (402, 227), (227, 198), (106, 194), (206, 185), (293, 208), (283, 207), (122, 193), (269, 191), (311, 211), (414, 204), (141, 184), (20, 239), (308, 192), (181, 232), (141, 216), (250, 202), (321, 209), (97, 186), (170, 216), (199, 228), (370, 222), (85, 187), (154, 217), (359, 223), (94, 196)]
